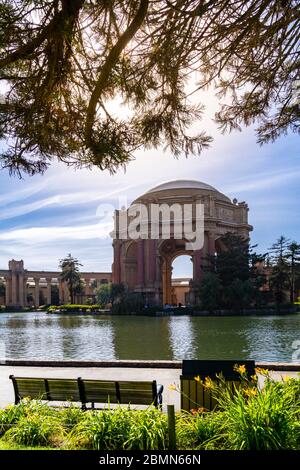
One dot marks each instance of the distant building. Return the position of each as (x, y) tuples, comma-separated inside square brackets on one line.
[(27, 288)]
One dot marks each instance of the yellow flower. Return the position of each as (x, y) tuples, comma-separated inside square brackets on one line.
[(198, 378), (251, 392), (261, 371), (254, 378), (286, 378), (172, 387), (208, 383), (241, 369)]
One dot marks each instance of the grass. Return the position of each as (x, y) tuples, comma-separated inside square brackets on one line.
[(4, 445)]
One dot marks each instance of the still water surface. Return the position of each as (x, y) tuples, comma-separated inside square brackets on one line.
[(37, 335)]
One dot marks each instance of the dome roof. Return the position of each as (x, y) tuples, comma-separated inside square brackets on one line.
[(182, 184), (181, 188)]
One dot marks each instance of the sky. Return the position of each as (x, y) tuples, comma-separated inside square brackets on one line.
[(43, 218)]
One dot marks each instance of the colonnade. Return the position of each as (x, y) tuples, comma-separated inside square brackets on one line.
[(20, 282)]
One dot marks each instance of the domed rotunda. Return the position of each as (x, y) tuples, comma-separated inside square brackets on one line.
[(144, 264)]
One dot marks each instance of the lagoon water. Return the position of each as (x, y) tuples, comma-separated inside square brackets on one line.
[(36, 335)]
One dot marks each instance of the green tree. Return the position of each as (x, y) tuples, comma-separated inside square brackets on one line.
[(280, 275), (2, 288), (238, 294), (104, 294), (70, 274), (237, 271), (209, 291), (233, 262), (54, 295), (118, 292), (111, 294), (293, 257), (64, 62)]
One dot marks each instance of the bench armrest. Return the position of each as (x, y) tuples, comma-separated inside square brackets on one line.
[(160, 389)]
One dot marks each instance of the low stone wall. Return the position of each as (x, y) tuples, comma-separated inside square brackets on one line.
[(227, 313), (135, 364)]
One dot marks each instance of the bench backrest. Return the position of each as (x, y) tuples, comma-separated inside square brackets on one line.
[(85, 390), (194, 395), (45, 389), (139, 393), (123, 392)]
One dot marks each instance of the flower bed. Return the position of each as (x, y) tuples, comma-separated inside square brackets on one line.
[(248, 418)]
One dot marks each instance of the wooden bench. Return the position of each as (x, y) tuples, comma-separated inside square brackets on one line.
[(194, 395), (87, 391)]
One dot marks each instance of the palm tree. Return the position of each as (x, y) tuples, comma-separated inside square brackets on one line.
[(70, 274)]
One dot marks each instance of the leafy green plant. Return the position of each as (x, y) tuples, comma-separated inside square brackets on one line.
[(105, 430), (121, 429), (74, 308), (199, 431), (8, 417), (148, 430), (36, 430), (256, 418), (69, 417)]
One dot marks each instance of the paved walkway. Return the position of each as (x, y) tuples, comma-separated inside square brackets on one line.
[(162, 376), (165, 377)]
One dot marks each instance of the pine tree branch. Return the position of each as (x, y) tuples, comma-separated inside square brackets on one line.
[(106, 69)]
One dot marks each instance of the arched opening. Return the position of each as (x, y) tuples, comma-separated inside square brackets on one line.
[(182, 274)]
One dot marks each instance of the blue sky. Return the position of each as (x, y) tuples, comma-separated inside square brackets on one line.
[(43, 218)]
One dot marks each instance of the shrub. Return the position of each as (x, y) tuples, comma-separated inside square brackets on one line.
[(8, 417), (69, 417), (121, 429), (36, 430), (105, 430), (201, 431), (74, 308), (148, 430)]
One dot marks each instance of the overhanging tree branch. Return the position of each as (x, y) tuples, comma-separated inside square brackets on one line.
[(109, 64)]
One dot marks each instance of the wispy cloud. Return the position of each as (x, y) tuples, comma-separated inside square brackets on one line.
[(263, 181), (38, 235), (64, 200)]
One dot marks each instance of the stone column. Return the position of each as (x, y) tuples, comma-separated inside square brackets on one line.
[(14, 289), (61, 292), (87, 287), (197, 265), (159, 281), (48, 300), (167, 281), (117, 264), (37, 291), (152, 261), (211, 243), (21, 290), (25, 279), (7, 291), (211, 206), (140, 263)]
